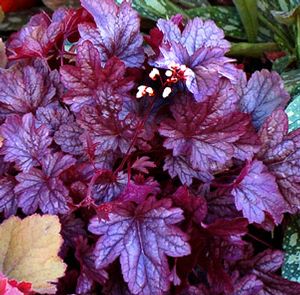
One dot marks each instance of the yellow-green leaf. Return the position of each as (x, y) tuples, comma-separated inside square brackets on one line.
[(29, 251)]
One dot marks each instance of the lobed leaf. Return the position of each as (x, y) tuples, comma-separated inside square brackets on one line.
[(130, 235), (24, 143), (29, 251)]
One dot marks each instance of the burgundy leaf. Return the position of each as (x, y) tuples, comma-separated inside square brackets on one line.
[(117, 32), (88, 83), (231, 229), (42, 188), (142, 236), (220, 205), (256, 192), (263, 94), (139, 189), (72, 227), (89, 274), (31, 40), (198, 133), (42, 36), (281, 154), (195, 207), (24, 143), (276, 285), (106, 130), (117, 286)]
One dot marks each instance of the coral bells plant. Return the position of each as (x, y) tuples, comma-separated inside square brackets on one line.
[(166, 166)]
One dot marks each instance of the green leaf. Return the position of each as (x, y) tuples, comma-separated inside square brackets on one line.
[(280, 64), (155, 9), (291, 245), (293, 112), (192, 3), (287, 5), (292, 81), (247, 10), (278, 32), (226, 17), (287, 17)]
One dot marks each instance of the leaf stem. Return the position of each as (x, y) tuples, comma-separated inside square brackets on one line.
[(276, 31), (135, 137), (252, 49), (259, 240)]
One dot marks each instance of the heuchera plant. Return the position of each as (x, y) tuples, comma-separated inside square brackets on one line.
[(160, 157)]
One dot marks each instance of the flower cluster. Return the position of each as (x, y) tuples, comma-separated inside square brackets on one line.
[(160, 155)]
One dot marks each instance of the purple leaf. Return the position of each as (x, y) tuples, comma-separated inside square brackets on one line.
[(42, 188), (182, 167), (256, 192), (248, 285), (201, 48), (281, 154), (24, 143), (196, 132), (8, 198), (89, 274), (117, 32), (68, 138), (247, 145), (263, 265), (142, 236), (196, 34), (108, 186), (263, 94), (88, 83), (269, 261), (53, 116), (4, 166), (24, 89)]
